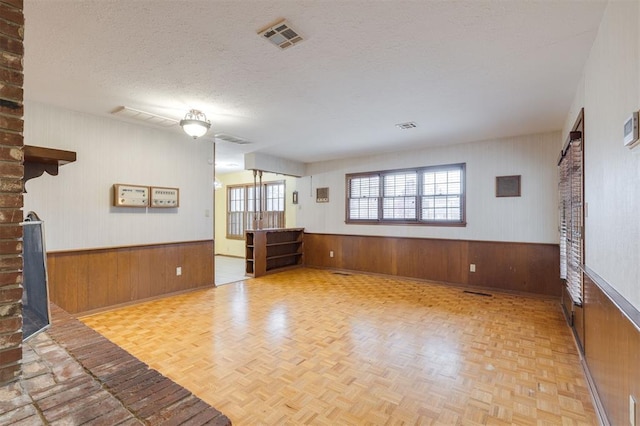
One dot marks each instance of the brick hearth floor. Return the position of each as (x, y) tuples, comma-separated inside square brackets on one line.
[(71, 375)]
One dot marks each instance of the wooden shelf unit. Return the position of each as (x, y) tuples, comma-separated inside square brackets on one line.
[(272, 250)]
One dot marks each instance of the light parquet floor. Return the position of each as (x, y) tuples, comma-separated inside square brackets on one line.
[(314, 347)]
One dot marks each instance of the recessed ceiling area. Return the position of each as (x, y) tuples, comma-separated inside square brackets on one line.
[(463, 70)]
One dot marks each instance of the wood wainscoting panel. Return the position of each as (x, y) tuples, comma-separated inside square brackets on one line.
[(356, 254), (522, 267), (172, 260), (440, 260), (317, 248), (612, 353), (99, 289), (63, 269), (154, 260), (198, 261), (88, 280)]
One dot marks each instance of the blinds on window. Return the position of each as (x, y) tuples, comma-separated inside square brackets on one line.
[(425, 195), (363, 197), (571, 218), (564, 196), (442, 195), (400, 191)]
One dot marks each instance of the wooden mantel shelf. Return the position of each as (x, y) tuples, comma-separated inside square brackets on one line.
[(38, 160)]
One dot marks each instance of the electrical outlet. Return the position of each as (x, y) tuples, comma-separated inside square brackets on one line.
[(179, 271), (331, 253), (472, 267), (207, 213), (632, 410)]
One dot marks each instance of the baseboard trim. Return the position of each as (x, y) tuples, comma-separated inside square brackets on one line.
[(463, 287), (138, 302), (525, 267), (94, 279)]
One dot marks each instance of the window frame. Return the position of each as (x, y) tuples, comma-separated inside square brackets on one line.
[(248, 208), (419, 196)]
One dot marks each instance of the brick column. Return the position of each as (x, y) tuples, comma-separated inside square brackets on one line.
[(11, 173)]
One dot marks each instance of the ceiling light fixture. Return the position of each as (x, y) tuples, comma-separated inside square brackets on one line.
[(217, 184), (195, 124)]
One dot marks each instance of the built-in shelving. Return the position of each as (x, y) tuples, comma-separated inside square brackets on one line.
[(271, 250)]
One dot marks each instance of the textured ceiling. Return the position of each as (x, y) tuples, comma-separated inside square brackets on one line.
[(462, 70)]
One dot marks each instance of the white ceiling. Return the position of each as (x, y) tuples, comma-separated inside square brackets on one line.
[(462, 70)]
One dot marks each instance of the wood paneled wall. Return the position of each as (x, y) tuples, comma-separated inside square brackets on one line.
[(612, 349), (87, 280), (522, 267)]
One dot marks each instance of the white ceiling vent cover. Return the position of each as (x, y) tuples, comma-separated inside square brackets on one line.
[(232, 139), (147, 117), (281, 34), (406, 126)]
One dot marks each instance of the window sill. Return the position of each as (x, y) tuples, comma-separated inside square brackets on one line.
[(404, 223)]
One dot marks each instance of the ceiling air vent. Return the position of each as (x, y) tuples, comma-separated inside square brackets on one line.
[(281, 34), (147, 117), (407, 125), (232, 139)]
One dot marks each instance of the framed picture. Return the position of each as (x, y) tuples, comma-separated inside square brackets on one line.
[(508, 186)]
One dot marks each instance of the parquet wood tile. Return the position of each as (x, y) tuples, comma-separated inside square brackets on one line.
[(314, 347)]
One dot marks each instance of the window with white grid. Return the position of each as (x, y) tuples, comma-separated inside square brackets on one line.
[(432, 195), (364, 193), (400, 196), (235, 211), (243, 207), (442, 193)]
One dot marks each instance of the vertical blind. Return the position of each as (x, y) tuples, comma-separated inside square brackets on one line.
[(571, 218)]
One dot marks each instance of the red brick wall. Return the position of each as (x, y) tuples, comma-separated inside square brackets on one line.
[(11, 172)]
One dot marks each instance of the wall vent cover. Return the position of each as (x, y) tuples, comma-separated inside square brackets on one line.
[(281, 34), (232, 139), (322, 195)]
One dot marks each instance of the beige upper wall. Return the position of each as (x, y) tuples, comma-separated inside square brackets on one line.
[(609, 92), (529, 218), (76, 205), (234, 247)]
